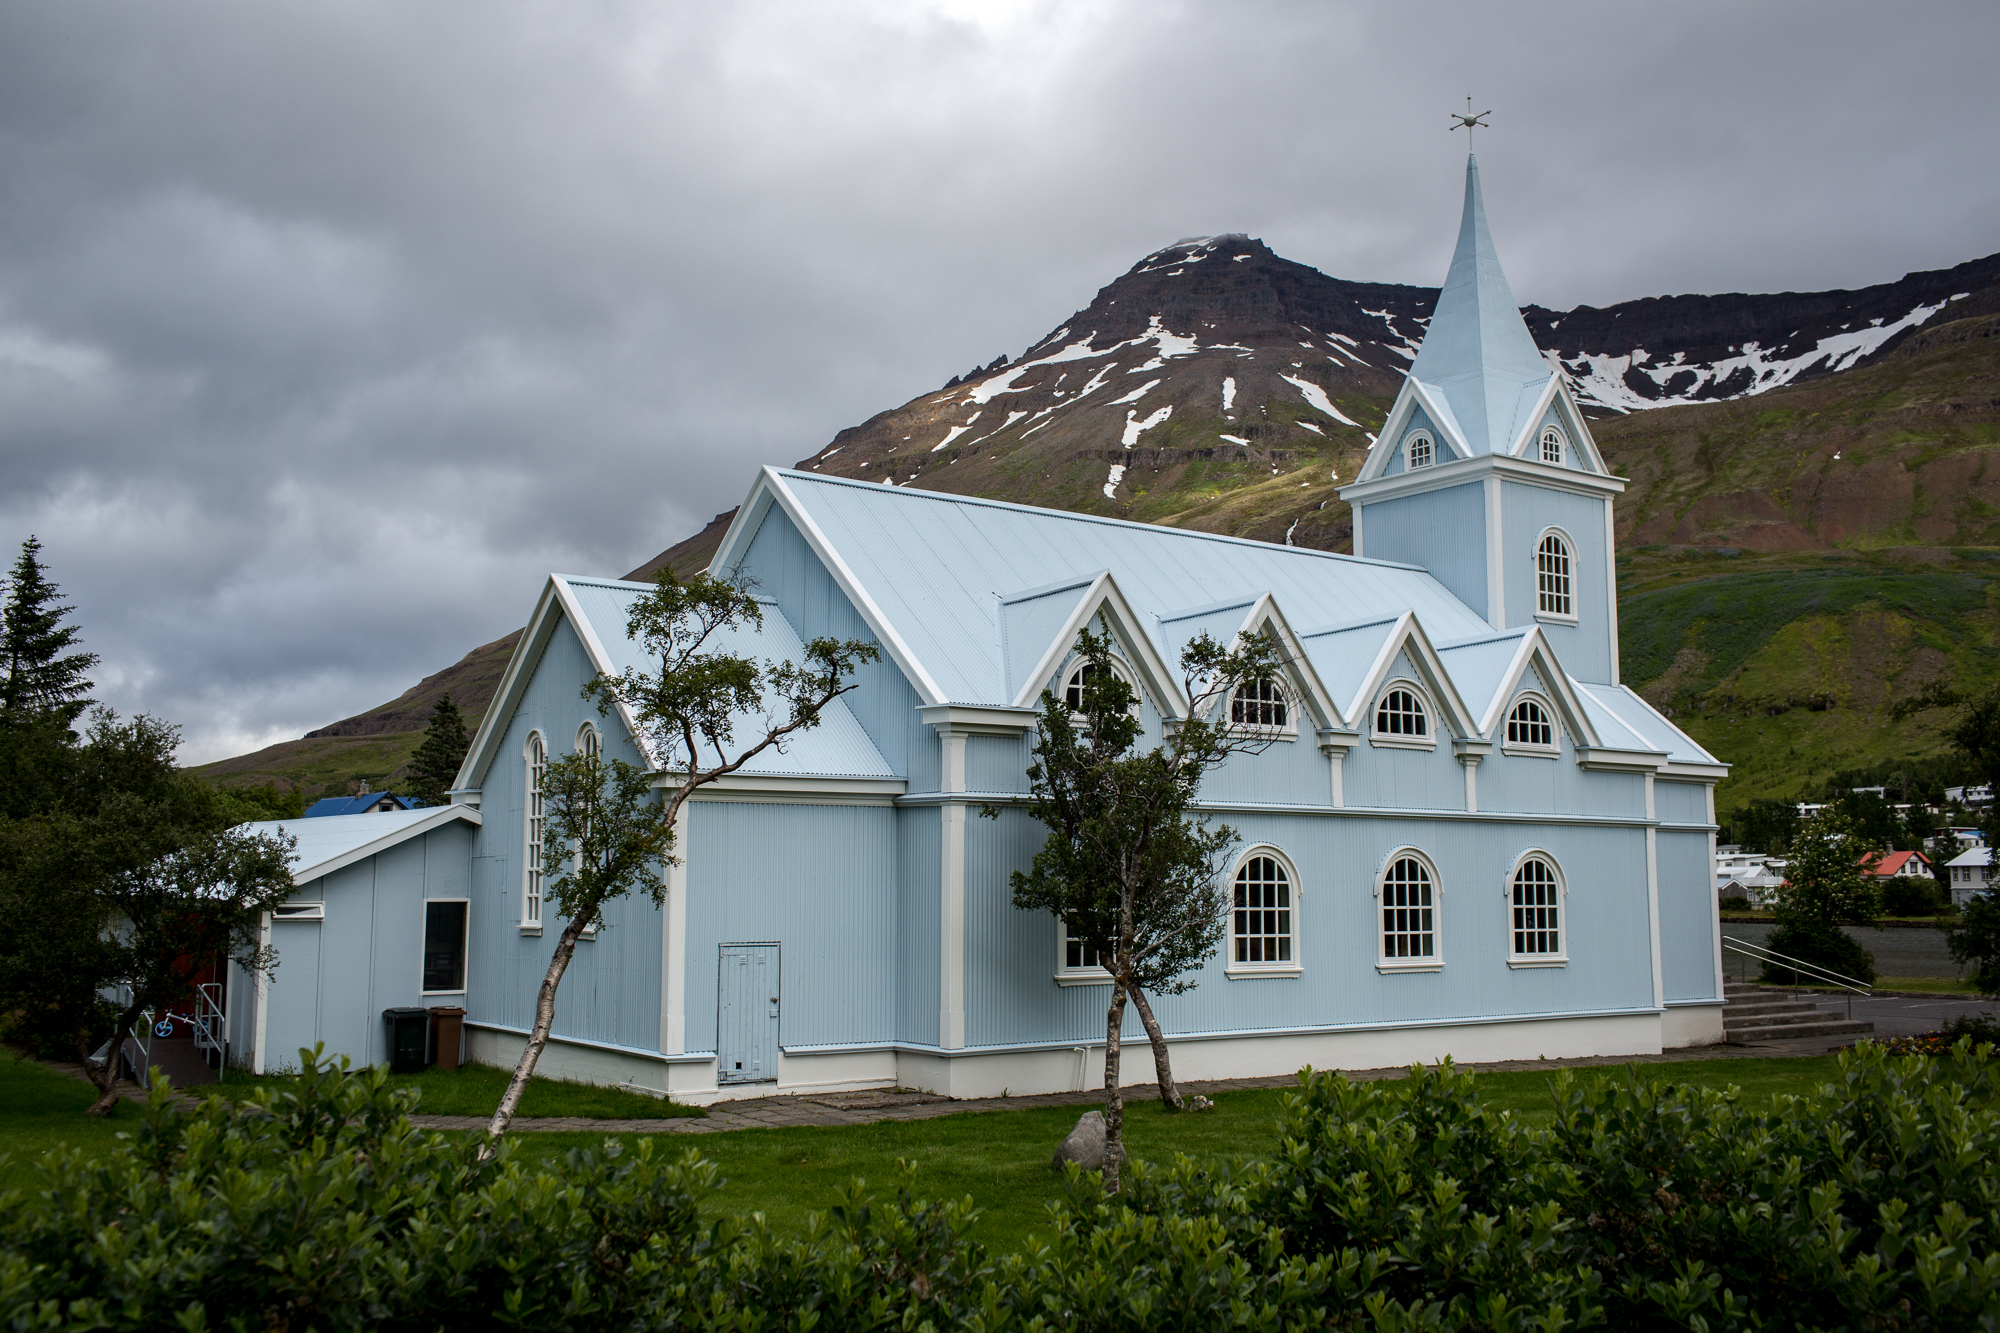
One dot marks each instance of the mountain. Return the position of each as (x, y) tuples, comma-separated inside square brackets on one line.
[(1219, 386)]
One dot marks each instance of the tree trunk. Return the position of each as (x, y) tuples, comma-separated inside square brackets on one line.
[(107, 1086), (1163, 1069), (545, 1017), (1114, 1097)]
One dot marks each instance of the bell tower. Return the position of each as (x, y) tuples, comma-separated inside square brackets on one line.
[(1485, 473)]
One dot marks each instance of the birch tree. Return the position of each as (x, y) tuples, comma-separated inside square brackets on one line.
[(1131, 864), (610, 824)]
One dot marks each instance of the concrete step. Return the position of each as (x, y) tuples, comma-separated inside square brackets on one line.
[(1833, 1027), (1747, 1008), (1806, 1019)]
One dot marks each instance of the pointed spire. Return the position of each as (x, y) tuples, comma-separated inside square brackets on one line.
[(1478, 354)]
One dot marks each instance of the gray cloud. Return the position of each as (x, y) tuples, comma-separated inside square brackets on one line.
[(327, 330)]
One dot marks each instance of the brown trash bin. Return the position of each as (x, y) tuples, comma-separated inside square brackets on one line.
[(447, 1025)]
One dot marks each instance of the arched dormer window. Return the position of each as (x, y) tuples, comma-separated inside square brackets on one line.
[(1419, 449), (1403, 715), (1535, 906), (1260, 704), (1531, 726), (1552, 445), (1081, 675), (1409, 937), (536, 757), (1555, 593)]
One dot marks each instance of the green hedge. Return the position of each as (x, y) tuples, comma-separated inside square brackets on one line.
[(1398, 1205)]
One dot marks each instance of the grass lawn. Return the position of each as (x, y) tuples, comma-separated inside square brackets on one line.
[(999, 1158), (476, 1090)]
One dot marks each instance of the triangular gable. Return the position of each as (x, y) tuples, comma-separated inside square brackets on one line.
[(1030, 621), (1256, 615), (1156, 678), (769, 489), (1537, 653), (1409, 398), (1409, 634), (1556, 394)]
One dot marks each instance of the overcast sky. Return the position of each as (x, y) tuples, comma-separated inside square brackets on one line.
[(328, 330)]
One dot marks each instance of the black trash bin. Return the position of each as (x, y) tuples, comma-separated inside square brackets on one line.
[(409, 1031)]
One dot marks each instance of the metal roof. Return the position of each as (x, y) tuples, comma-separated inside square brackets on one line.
[(328, 842), (837, 747)]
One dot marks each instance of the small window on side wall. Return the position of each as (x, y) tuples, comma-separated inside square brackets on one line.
[(444, 946), (1421, 451), (1537, 912)]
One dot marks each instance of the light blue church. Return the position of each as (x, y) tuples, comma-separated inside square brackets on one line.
[(1466, 838)]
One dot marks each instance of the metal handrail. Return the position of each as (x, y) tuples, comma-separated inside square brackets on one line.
[(1799, 965)]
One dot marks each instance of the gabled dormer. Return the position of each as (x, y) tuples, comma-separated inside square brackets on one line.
[(1485, 472)]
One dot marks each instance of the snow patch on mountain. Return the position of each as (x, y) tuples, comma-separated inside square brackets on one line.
[(1229, 393), (1316, 397), (1111, 483), (1134, 428)]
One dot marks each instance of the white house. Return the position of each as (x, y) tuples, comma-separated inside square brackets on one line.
[(1971, 874), (1467, 838)]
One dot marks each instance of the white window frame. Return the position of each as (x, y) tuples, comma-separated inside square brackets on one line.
[(534, 817), (465, 947), (1390, 740), (296, 911), (1286, 730), (1118, 668), (1434, 962), (1410, 443), (1293, 967), (1088, 975), (1569, 576), (1560, 958), (1542, 444), (1510, 746)]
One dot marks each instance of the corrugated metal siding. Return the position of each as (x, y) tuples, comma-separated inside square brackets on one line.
[(997, 763), (1012, 996), (1445, 531), (1289, 771), (611, 992), (1680, 802), (816, 880), (918, 868), (1687, 916), (787, 570), (1584, 648), (934, 563)]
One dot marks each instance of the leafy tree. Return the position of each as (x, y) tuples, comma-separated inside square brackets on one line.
[(244, 805), (434, 767), (1825, 887), (605, 823), (1129, 864), (44, 677), (1975, 939), (1764, 826)]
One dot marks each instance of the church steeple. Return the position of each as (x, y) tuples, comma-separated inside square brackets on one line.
[(1478, 362)]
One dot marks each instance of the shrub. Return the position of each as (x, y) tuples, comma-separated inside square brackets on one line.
[(1908, 895), (1736, 903), (1975, 938), (1821, 943)]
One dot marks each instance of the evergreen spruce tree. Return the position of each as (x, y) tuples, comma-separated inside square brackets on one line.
[(434, 767), (44, 679)]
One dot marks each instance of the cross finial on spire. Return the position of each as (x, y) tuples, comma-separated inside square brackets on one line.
[(1468, 120)]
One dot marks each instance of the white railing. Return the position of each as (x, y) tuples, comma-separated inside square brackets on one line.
[(1799, 967)]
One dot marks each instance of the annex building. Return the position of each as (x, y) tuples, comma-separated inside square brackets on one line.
[(1467, 837)]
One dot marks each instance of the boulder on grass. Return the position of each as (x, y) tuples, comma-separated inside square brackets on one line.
[(1085, 1144)]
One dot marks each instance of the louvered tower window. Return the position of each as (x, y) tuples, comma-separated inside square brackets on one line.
[(1553, 588)]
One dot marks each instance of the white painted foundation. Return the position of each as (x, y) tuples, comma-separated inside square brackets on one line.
[(1691, 1025)]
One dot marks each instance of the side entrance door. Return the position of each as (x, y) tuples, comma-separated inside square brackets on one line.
[(746, 1038)]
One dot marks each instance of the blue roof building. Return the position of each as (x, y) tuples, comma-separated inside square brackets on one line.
[(1467, 837), (368, 802)]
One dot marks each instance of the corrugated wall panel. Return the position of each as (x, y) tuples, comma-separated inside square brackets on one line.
[(1290, 770), (917, 924), (1680, 802), (1687, 916), (1444, 531), (787, 570), (997, 763), (819, 881)]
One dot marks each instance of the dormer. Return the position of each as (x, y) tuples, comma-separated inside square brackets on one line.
[(1485, 472)]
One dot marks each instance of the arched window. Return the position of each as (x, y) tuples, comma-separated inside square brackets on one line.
[(588, 741), (1260, 929), (537, 756), (1259, 704), (1409, 911), (1537, 910), (1402, 713), (1553, 590), (1529, 725), (1422, 453), (1552, 445), (1080, 675)]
